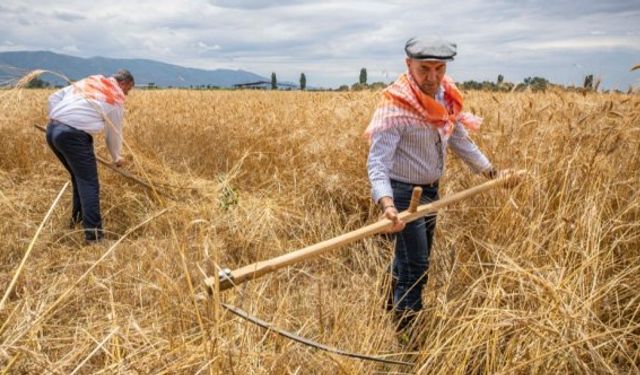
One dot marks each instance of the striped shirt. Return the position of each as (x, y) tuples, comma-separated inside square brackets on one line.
[(414, 153)]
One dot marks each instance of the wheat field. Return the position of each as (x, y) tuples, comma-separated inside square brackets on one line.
[(542, 278)]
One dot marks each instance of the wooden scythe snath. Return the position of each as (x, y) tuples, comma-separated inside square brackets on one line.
[(228, 279)]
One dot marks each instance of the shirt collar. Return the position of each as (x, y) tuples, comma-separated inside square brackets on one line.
[(439, 97)]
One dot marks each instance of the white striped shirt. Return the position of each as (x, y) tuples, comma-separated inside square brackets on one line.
[(415, 153)]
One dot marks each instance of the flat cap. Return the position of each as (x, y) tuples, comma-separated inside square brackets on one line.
[(429, 48)]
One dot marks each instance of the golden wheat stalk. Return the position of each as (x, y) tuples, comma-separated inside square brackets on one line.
[(30, 247)]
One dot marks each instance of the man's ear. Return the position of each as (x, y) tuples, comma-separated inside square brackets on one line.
[(408, 62)]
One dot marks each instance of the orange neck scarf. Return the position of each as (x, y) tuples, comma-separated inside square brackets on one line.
[(403, 102), (100, 88)]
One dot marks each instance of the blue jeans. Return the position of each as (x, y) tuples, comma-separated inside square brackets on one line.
[(74, 148), (413, 246)]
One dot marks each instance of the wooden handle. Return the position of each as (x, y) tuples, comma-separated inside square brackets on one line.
[(415, 199), (258, 269)]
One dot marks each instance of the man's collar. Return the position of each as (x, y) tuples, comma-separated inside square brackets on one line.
[(439, 97)]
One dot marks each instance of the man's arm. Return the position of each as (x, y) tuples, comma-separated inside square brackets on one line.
[(464, 147), (113, 133), (379, 162)]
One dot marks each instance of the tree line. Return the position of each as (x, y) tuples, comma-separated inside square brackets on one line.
[(535, 84)]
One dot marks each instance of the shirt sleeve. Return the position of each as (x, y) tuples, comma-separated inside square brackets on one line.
[(57, 97), (380, 161), (113, 132), (464, 147)]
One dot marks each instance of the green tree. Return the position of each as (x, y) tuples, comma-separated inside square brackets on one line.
[(358, 87), (303, 81), (471, 85), (363, 76), (37, 83), (588, 82), (536, 83), (377, 86), (274, 81)]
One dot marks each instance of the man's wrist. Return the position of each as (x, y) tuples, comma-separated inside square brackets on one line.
[(386, 202)]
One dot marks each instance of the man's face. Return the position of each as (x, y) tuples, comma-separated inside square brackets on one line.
[(126, 86), (427, 74)]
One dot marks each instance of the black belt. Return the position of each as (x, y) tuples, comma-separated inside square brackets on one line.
[(433, 185), (56, 122)]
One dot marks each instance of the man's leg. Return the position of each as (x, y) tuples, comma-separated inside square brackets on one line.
[(77, 149), (411, 259), (54, 130)]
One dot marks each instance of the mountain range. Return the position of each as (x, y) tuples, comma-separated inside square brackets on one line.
[(16, 64)]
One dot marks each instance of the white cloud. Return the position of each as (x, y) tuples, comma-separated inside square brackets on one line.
[(71, 49), (331, 40), (68, 16), (586, 44), (204, 46)]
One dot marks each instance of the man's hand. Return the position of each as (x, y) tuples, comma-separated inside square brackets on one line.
[(490, 173), (513, 181), (120, 163), (390, 212), (493, 173)]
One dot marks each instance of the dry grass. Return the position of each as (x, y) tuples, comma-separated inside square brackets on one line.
[(541, 279)]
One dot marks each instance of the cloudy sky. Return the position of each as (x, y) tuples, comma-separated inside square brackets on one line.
[(331, 40)]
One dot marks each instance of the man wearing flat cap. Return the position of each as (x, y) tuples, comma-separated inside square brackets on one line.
[(419, 116)]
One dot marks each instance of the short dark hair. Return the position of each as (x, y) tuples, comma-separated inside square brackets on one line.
[(123, 75)]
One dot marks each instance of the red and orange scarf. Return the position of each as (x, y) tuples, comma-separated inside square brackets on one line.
[(100, 88), (404, 103)]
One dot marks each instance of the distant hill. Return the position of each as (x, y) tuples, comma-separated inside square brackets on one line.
[(17, 64)]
